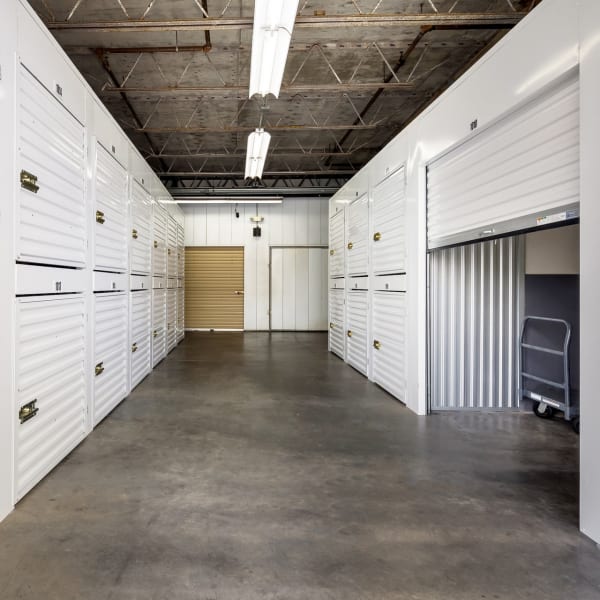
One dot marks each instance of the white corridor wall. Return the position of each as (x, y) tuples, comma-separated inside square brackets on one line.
[(295, 222)]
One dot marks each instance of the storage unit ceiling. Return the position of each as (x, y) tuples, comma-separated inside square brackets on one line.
[(175, 75)]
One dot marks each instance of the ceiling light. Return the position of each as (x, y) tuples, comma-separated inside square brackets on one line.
[(258, 146), (226, 200), (272, 32)]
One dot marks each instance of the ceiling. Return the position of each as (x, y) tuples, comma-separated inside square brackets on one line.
[(175, 74)]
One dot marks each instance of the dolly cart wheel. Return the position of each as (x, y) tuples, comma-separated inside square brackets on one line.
[(543, 410)]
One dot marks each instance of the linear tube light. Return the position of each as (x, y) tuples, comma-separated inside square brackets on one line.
[(226, 200), (258, 146), (271, 36)]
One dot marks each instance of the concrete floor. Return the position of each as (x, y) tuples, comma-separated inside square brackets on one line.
[(261, 467)]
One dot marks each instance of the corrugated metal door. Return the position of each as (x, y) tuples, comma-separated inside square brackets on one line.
[(519, 173), (172, 262), (336, 244), (298, 289), (141, 321), (141, 232), (159, 244), (171, 319), (110, 352), (110, 227), (51, 226), (180, 251), (159, 325), (474, 313), (50, 363), (389, 342), (389, 245), (357, 248), (337, 335), (214, 287), (357, 309)]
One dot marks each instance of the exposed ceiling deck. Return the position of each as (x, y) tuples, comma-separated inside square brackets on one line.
[(175, 75)]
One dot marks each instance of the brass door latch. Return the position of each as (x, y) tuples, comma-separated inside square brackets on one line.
[(100, 217), (28, 411), (99, 369), (29, 182)]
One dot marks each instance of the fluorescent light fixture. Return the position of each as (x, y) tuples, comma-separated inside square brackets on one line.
[(258, 146), (226, 200), (272, 32)]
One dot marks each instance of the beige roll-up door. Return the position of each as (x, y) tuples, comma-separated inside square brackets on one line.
[(214, 287)]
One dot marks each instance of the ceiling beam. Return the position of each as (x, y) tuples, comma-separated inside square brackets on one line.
[(242, 90), (237, 155), (244, 129), (322, 22), (266, 174)]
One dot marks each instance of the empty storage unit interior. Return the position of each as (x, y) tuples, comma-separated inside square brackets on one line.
[(93, 268), (480, 198), (452, 270)]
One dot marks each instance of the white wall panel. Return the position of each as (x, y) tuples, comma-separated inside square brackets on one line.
[(216, 225), (317, 289), (51, 224), (110, 208), (140, 245), (140, 341), (111, 359), (50, 359)]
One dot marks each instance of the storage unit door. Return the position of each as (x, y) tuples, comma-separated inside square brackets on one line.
[(50, 384), (357, 247), (389, 342), (180, 313), (337, 336), (180, 251), (214, 288), (519, 173), (140, 244), (474, 312), (159, 244), (389, 238), (141, 322), (159, 325), (110, 226), (299, 289), (51, 216), (336, 244), (172, 262), (171, 319), (357, 306), (110, 352)]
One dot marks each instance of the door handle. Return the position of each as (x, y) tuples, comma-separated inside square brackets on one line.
[(100, 217), (376, 345), (350, 245), (376, 236), (238, 293)]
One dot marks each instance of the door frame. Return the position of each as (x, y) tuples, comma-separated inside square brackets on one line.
[(283, 247)]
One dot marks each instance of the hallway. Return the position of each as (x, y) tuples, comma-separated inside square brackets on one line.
[(256, 466)]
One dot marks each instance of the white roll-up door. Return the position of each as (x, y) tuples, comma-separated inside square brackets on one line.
[(336, 245), (110, 352), (110, 227), (172, 262), (357, 247), (159, 244), (141, 230), (171, 319), (141, 316), (159, 325), (357, 307), (389, 342), (50, 382), (337, 335), (51, 226), (519, 173), (389, 238)]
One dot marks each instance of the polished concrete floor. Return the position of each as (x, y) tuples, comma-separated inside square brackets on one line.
[(261, 467)]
